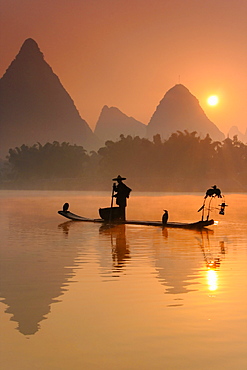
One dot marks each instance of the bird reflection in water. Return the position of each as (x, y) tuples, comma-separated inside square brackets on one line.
[(65, 227), (120, 248), (212, 257), (165, 232)]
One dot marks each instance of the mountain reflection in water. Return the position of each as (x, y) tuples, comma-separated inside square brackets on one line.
[(33, 275), (33, 279)]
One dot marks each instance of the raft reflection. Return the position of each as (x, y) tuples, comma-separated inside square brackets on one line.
[(176, 268), (213, 255), (119, 246)]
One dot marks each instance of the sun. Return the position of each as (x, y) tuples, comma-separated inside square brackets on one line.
[(213, 100)]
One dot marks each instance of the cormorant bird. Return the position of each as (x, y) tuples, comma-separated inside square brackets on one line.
[(213, 191), (165, 217), (65, 207)]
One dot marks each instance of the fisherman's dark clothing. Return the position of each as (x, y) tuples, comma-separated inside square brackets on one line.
[(123, 192)]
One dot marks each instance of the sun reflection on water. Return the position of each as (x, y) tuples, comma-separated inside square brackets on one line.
[(212, 278)]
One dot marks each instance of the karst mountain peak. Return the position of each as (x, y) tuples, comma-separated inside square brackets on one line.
[(179, 110), (35, 107)]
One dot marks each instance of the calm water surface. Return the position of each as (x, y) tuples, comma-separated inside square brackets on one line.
[(80, 296)]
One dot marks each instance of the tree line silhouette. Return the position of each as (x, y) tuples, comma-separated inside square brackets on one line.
[(184, 162)]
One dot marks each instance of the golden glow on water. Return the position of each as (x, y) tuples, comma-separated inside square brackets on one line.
[(212, 278), (125, 297)]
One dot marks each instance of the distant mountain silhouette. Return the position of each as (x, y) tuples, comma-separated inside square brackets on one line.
[(36, 107), (112, 123), (234, 131), (179, 110)]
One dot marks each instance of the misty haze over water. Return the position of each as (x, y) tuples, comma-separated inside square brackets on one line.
[(184, 162)]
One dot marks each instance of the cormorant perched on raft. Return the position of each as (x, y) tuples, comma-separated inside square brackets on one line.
[(165, 217), (65, 207), (213, 191)]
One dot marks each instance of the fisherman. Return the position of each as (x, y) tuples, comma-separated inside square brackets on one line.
[(122, 193), (214, 191)]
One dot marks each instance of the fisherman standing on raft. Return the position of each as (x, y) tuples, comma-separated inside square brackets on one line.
[(122, 193)]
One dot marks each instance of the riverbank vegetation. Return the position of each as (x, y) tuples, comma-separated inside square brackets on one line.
[(184, 162)]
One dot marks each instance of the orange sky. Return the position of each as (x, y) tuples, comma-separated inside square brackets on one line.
[(128, 53)]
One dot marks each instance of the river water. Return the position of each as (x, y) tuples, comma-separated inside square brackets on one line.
[(78, 295)]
